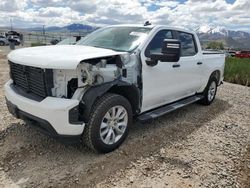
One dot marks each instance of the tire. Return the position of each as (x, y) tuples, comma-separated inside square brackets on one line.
[(101, 125), (2, 43), (210, 91)]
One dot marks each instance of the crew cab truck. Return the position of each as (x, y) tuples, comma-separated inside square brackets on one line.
[(93, 90)]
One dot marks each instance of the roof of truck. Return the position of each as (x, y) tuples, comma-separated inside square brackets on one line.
[(132, 25), (153, 26)]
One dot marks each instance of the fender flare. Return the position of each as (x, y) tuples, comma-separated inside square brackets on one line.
[(94, 93)]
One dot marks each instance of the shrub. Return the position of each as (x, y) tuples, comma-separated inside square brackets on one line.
[(237, 71), (215, 45), (37, 44)]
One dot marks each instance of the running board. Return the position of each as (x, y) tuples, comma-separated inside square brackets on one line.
[(149, 116)]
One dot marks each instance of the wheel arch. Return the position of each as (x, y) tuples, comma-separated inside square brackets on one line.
[(217, 74), (129, 91)]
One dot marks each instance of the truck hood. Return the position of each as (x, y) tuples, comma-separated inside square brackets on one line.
[(58, 57)]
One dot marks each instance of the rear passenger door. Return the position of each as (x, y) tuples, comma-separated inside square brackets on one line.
[(191, 66)]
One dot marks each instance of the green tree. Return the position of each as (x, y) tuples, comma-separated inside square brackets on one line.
[(215, 45)]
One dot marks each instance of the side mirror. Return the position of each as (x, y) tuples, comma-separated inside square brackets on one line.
[(171, 51)]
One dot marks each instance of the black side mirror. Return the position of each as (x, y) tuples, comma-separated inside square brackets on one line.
[(171, 51)]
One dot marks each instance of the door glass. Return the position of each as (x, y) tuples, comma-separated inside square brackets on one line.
[(156, 43), (188, 47)]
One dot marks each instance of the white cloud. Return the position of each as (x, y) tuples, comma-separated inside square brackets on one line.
[(191, 14), (12, 5), (83, 6), (46, 3), (52, 12)]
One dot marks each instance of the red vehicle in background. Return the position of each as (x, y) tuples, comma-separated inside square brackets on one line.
[(243, 54)]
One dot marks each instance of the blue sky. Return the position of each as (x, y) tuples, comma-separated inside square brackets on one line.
[(232, 14), (230, 1)]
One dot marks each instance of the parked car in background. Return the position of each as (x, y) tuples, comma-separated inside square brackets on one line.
[(13, 33), (14, 39), (54, 41), (243, 54), (3, 41), (232, 53)]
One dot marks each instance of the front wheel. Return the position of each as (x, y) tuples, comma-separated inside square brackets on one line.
[(109, 123), (210, 92)]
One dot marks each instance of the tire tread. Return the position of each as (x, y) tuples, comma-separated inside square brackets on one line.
[(205, 101), (94, 114)]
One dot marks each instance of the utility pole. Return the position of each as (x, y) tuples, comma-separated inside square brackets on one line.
[(11, 27), (44, 34), (43, 29)]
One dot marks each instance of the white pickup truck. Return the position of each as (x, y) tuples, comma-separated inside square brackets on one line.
[(92, 91)]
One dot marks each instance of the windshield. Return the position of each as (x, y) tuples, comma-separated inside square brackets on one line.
[(71, 40), (116, 38)]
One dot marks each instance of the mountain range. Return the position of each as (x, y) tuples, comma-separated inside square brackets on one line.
[(230, 38), (68, 28)]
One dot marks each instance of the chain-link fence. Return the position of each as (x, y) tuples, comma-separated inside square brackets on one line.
[(40, 38)]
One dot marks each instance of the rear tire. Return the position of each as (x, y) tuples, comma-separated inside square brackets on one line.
[(210, 92), (2, 43), (108, 125)]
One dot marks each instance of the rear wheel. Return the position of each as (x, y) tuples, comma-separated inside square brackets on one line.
[(210, 92), (109, 123), (2, 43)]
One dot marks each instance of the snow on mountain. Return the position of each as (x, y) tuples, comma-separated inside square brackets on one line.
[(212, 30), (230, 38), (220, 31), (204, 29)]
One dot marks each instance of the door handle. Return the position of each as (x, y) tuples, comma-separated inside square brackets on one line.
[(176, 65), (199, 63)]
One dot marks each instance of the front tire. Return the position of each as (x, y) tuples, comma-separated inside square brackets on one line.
[(109, 123), (210, 91)]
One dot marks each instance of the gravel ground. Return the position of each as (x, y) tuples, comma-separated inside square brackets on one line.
[(195, 146)]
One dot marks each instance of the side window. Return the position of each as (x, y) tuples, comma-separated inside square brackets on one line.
[(156, 43), (188, 46)]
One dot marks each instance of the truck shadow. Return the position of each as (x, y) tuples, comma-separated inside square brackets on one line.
[(42, 161)]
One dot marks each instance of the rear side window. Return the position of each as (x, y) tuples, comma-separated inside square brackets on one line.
[(188, 45), (155, 46)]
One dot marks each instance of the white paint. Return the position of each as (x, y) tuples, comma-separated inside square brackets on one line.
[(57, 57), (54, 110), (163, 84)]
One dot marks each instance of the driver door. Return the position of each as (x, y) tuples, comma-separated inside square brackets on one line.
[(161, 83)]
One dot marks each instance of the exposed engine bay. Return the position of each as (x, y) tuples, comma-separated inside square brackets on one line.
[(93, 72)]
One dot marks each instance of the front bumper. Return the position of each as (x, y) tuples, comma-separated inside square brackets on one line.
[(52, 113)]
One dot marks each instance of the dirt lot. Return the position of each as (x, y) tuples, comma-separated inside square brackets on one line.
[(195, 146)]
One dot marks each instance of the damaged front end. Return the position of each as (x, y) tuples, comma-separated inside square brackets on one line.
[(94, 77)]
